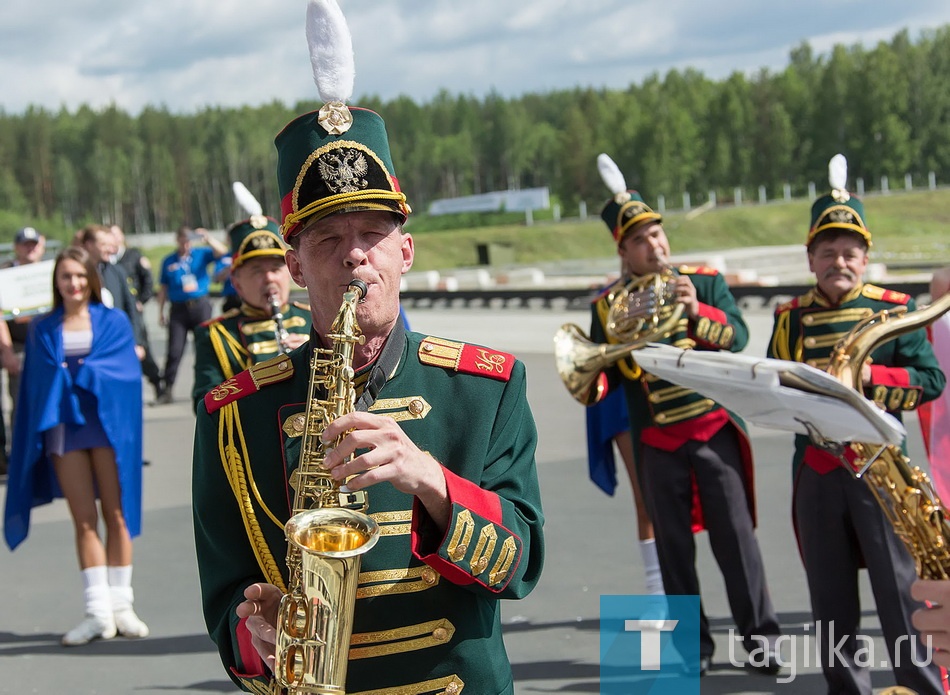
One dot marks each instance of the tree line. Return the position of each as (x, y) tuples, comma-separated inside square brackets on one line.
[(887, 108)]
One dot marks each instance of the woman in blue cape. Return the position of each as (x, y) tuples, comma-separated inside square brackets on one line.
[(78, 435)]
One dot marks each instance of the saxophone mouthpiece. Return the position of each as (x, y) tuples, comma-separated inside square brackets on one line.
[(360, 287)]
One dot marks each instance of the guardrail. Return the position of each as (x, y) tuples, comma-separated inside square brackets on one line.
[(749, 297)]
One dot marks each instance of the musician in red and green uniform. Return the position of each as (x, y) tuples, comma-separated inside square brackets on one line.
[(443, 432), (247, 334), (693, 457), (839, 524)]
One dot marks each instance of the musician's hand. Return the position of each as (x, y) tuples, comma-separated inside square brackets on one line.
[(934, 622), (389, 455), (866, 374), (260, 609), (10, 361), (140, 352), (686, 295), (162, 318), (295, 340)]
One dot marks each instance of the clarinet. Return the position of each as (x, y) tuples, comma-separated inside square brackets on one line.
[(280, 331)]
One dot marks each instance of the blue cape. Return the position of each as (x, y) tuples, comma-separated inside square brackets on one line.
[(112, 372)]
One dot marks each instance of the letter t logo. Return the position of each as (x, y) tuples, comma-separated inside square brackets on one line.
[(649, 639)]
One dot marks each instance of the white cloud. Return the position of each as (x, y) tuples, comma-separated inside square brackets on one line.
[(186, 54)]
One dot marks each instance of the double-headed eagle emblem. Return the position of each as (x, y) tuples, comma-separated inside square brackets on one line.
[(344, 170)]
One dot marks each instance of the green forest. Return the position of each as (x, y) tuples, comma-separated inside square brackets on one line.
[(887, 108)]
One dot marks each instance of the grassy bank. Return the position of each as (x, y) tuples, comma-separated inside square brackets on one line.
[(906, 226)]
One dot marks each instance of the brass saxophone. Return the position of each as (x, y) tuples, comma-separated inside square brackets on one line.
[(905, 493), (328, 532), (280, 330), (644, 310)]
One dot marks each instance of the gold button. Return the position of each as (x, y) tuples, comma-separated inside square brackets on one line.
[(440, 634), (808, 320), (461, 549), (429, 576), (481, 565), (299, 422), (427, 347), (283, 366), (810, 342), (451, 689), (415, 406), (661, 417)]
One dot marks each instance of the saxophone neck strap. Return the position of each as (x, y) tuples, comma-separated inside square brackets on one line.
[(384, 365)]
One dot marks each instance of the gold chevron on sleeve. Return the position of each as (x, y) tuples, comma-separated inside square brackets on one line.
[(461, 536), (503, 564)]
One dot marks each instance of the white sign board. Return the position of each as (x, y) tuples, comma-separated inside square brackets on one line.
[(26, 289), (775, 393)]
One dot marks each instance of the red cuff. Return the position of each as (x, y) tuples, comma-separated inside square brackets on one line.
[(252, 661), (714, 315), (463, 493), (889, 376)]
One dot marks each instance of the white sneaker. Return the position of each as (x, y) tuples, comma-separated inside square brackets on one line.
[(92, 627), (129, 624)]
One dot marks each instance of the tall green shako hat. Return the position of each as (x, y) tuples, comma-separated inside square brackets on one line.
[(336, 159), (838, 209), (256, 236), (626, 208)]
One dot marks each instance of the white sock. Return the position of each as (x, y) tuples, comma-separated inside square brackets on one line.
[(120, 587), (651, 566), (95, 582)]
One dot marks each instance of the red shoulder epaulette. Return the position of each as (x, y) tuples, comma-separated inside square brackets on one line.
[(249, 381), (875, 292), (467, 359), (697, 270), (787, 306)]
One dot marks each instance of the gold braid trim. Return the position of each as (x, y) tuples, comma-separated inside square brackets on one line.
[(234, 469), (219, 338)]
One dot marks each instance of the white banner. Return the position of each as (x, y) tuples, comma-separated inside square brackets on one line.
[(26, 289)]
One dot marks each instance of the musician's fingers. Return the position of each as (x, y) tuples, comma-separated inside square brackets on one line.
[(932, 590)]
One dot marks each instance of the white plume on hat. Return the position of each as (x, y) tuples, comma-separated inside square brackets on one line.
[(613, 178), (246, 199), (838, 178), (331, 51)]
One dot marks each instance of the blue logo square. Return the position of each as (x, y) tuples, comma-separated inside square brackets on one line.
[(649, 644)]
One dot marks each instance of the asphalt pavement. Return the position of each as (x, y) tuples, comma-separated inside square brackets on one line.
[(552, 635)]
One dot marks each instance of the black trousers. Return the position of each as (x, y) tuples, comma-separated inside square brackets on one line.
[(183, 317), (717, 467), (839, 522)]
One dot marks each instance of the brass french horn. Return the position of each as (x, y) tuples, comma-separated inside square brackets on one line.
[(644, 310)]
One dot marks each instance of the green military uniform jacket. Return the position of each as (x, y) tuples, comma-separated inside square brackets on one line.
[(653, 401), (427, 610), (904, 371), (233, 341)]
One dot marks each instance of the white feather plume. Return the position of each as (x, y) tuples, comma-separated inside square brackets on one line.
[(331, 50), (611, 174), (246, 199), (838, 172)]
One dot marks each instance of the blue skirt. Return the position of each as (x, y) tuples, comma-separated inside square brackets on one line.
[(72, 437)]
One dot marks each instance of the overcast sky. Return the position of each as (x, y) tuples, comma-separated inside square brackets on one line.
[(188, 54)]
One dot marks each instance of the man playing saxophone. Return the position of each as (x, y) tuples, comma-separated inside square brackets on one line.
[(839, 524), (688, 447), (248, 334), (441, 439)]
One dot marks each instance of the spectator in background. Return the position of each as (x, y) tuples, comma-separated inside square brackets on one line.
[(28, 247), (222, 274), (78, 435), (184, 283), (138, 272), (99, 243)]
